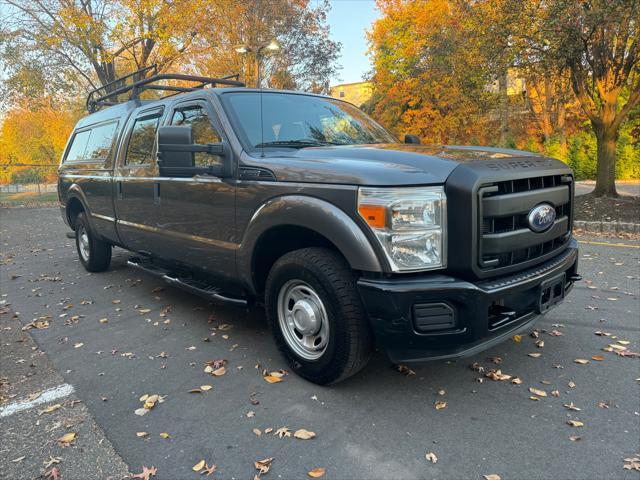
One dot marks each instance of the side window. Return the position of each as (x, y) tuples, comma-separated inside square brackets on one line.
[(78, 146), (203, 130), (142, 143), (100, 142)]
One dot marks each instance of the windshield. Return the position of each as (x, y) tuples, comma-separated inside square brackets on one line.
[(297, 121)]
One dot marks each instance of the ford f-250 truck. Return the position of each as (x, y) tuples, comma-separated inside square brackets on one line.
[(305, 204)]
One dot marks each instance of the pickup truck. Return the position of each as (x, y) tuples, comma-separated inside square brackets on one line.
[(305, 205)]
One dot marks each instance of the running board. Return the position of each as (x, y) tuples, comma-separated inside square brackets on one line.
[(208, 291)]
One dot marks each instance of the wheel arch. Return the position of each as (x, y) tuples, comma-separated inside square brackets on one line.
[(291, 222), (75, 204)]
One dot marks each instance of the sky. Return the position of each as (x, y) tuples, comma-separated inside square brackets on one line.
[(348, 20)]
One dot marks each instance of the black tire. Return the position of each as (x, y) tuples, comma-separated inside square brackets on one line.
[(350, 341), (97, 257)]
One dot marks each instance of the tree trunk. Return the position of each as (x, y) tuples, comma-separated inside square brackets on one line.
[(504, 109), (606, 174)]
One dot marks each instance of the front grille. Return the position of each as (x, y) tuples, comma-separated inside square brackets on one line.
[(505, 237)]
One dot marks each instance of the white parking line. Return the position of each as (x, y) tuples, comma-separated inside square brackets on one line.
[(48, 395)]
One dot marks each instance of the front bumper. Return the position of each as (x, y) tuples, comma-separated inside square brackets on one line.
[(462, 318)]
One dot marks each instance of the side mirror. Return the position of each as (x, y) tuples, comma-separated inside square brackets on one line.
[(414, 139), (176, 154)]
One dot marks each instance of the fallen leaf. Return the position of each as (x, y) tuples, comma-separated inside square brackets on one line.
[(257, 432), (199, 466), (146, 473), (164, 435), (78, 345), (316, 472), (571, 406), (283, 432), (303, 434), (209, 470), (597, 358), (141, 411), (497, 375), (405, 370), (440, 405), (575, 438), (263, 465), (272, 379), (575, 423), (535, 399), (516, 381), (537, 391), (571, 385), (205, 388), (67, 438), (431, 457), (517, 339), (218, 372), (53, 474), (540, 344), (555, 393), (251, 414), (142, 434), (581, 361), (534, 355), (50, 409), (492, 476)]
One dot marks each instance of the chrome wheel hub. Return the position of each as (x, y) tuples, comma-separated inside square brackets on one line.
[(83, 243), (303, 319)]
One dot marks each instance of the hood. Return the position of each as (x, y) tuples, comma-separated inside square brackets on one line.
[(379, 164)]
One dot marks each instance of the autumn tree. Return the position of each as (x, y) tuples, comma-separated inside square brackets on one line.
[(81, 44), (307, 59), (33, 135), (597, 42)]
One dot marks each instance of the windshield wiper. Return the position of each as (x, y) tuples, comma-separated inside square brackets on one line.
[(294, 143)]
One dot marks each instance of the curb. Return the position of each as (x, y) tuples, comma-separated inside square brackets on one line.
[(606, 227)]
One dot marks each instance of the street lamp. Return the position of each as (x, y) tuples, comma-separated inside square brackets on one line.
[(260, 51)]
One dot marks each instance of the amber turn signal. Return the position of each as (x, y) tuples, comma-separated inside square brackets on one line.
[(374, 215)]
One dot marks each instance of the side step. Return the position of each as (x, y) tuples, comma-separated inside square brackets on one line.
[(192, 285)]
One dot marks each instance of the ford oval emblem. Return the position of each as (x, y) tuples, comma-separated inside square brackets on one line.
[(541, 217)]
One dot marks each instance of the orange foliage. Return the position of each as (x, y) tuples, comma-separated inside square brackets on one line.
[(34, 132)]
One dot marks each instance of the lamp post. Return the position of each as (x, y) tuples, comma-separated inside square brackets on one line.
[(260, 51)]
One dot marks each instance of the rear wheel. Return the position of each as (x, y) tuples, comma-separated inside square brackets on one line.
[(316, 315), (94, 253)]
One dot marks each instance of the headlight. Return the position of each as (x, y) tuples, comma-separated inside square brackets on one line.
[(410, 224)]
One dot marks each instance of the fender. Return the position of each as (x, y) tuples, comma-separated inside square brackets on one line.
[(318, 215), (74, 191)]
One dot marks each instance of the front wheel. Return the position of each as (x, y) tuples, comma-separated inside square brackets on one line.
[(94, 253), (316, 315)]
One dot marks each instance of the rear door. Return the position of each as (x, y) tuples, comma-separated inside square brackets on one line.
[(135, 181), (197, 214)]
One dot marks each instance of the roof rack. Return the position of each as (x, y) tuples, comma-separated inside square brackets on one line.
[(107, 95)]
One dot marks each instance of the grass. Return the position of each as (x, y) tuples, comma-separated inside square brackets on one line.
[(27, 198)]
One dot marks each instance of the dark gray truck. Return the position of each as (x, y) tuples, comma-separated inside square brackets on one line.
[(305, 204)]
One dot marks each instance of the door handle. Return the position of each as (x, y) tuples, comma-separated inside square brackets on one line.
[(119, 190), (156, 193)]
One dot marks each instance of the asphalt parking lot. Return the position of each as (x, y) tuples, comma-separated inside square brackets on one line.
[(379, 424)]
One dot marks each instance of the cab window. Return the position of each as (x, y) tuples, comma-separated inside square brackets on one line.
[(203, 130), (100, 141), (141, 149), (78, 146)]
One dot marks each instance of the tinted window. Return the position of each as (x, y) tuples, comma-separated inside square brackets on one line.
[(100, 142), (142, 143), (78, 147), (296, 121), (202, 129)]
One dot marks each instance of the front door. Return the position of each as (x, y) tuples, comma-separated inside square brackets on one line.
[(197, 214), (134, 182)]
